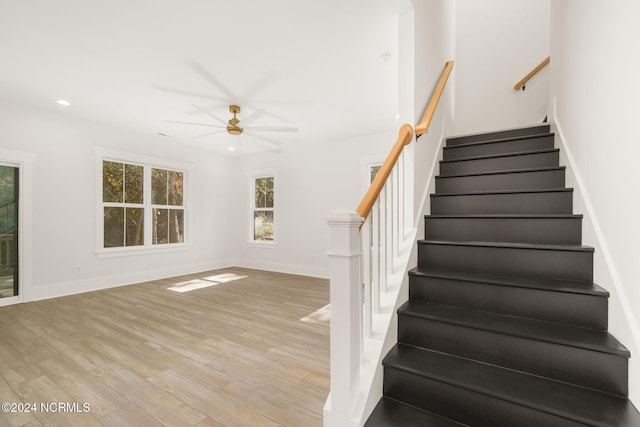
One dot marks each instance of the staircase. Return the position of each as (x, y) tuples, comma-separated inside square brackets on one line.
[(504, 325)]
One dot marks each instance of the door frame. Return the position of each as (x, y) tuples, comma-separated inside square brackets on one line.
[(24, 162)]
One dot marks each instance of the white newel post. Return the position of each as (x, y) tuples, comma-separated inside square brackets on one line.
[(346, 314)]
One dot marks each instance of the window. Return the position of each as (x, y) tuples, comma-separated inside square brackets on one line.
[(122, 195), (142, 206), (168, 208), (263, 208), (373, 171)]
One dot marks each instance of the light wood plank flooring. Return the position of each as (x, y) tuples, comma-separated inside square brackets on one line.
[(232, 347)]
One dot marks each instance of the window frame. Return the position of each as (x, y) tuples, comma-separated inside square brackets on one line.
[(153, 206), (147, 162), (366, 163), (370, 170), (253, 176)]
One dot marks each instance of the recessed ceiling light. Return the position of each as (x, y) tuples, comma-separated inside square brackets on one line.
[(397, 116), (232, 148), (63, 102)]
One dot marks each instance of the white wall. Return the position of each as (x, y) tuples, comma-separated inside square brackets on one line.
[(595, 65), (63, 218), (434, 35), (312, 180), (497, 43)]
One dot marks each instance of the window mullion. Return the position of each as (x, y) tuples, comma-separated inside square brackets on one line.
[(122, 205), (146, 198), (124, 184), (123, 199)]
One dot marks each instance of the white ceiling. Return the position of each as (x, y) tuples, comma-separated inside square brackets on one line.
[(314, 65)]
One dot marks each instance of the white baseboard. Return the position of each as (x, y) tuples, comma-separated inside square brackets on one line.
[(61, 289), (302, 270)]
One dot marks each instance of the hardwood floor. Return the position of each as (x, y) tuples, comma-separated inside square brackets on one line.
[(232, 347)]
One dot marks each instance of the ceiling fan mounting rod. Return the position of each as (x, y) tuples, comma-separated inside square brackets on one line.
[(233, 128)]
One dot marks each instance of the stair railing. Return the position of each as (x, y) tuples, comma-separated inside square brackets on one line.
[(368, 248), (523, 82), (423, 126)]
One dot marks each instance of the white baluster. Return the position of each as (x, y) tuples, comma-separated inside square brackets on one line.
[(394, 205), (401, 189), (375, 257), (388, 248), (383, 239), (365, 231)]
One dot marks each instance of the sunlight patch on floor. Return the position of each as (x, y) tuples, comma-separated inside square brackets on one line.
[(224, 278), (205, 282), (191, 285), (321, 315)]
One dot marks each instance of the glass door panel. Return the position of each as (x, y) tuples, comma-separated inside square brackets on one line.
[(8, 231)]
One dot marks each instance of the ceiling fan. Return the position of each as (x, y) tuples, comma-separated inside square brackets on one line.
[(232, 126)]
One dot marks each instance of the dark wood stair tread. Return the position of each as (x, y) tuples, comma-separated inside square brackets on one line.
[(502, 133), (492, 156), (508, 216), (499, 140), (509, 245), (557, 333), (540, 283), (516, 191), (392, 413), (502, 172), (582, 405)]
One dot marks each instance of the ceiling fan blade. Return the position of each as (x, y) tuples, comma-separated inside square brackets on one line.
[(197, 124), (207, 134), (205, 74), (270, 129), (270, 141), (190, 93), (253, 117), (208, 113), (265, 81), (269, 113)]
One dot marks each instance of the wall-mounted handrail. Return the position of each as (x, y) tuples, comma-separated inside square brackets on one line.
[(423, 126), (525, 79), (405, 136)]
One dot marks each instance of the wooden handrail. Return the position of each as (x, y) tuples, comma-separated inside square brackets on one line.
[(405, 136), (533, 72), (423, 126)]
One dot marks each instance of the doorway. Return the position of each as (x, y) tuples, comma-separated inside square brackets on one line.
[(9, 194)]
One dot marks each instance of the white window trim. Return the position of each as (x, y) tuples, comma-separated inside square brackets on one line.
[(103, 154), (252, 176), (367, 162)]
